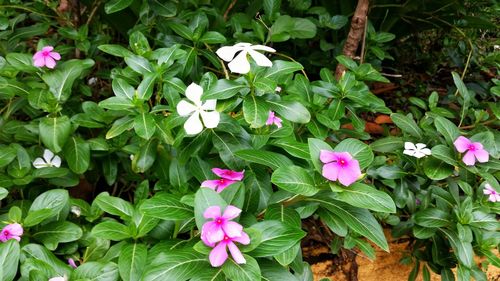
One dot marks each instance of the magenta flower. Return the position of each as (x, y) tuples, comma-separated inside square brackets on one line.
[(214, 231), (11, 231), (474, 151), (218, 255), (272, 119), (46, 57), (72, 263), (340, 166), (228, 177), (493, 195)]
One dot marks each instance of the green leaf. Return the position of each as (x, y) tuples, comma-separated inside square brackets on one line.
[(145, 125), (294, 148), (223, 89), (294, 179), (7, 154), (276, 238), (111, 230), (54, 132), (166, 207), (315, 147), (286, 27), (462, 89), (291, 110), (114, 6), (446, 128), (38, 252), (132, 261), (463, 250), (146, 156), (3, 193), (139, 43), (98, 271), (444, 153), (364, 196), (436, 169), (181, 30), (162, 8), (176, 265), (115, 50), (146, 87), (267, 158), (255, 111), (9, 259), (114, 205), (387, 144), (122, 89), (58, 232), (358, 150), (213, 37), (119, 126), (334, 222), (49, 203), (139, 64), (281, 68), (116, 103), (359, 220), (60, 81), (203, 199), (407, 124), (248, 271), (432, 218), (77, 154)]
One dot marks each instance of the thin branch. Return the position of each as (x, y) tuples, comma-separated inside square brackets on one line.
[(229, 8)]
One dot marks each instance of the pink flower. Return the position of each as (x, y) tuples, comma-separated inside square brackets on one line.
[(218, 255), (474, 151), (221, 226), (340, 166), (272, 119), (72, 263), (46, 57), (11, 231), (494, 196), (228, 177)]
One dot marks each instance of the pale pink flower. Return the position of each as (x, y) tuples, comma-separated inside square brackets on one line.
[(11, 231), (46, 57), (218, 255), (340, 166), (72, 263), (228, 177), (474, 151), (215, 230), (272, 119), (493, 195)]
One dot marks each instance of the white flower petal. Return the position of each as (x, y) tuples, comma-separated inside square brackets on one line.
[(242, 45), (420, 145), (409, 152), (227, 53), (410, 145), (210, 119), (260, 59), (48, 155), (56, 162), (39, 163), (240, 64), (426, 151), (209, 105), (193, 125), (194, 92), (418, 154), (263, 48), (185, 108)]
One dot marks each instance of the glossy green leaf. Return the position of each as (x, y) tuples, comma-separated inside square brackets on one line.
[(77, 154), (166, 207), (132, 261), (294, 179), (271, 159), (54, 132), (364, 196)]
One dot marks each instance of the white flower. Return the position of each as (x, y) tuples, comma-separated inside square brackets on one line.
[(49, 160), (278, 89), (59, 278), (207, 111), (76, 210), (240, 64), (416, 150)]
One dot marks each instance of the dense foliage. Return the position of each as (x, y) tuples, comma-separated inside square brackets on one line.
[(145, 140)]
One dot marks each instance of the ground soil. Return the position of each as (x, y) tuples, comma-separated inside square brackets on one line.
[(386, 266)]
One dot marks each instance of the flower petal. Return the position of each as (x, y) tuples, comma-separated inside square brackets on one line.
[(482, 155), (15, 229), (39, 62), (56, 161), (232, 229), (350, 173), (212, 184), (410, 145), (420, 145), (39, 163), (47, 49), (231, 212), (218, 255), (243, 239), (50, 62), (426, 151), (462, 144), (277, 122), (263, 48), (38, 55), (477, 145), (210, 118), (270, 119), (185, 108), (418, 154), (194, 92), (193, 125), (227, 53), (240, 64), (209, 105), (469, 159), (331, 171), (223, 183), (236, 253), (212, 212), (55, 55), (409, 152), (260, 59), (327, 156), (48, 155)]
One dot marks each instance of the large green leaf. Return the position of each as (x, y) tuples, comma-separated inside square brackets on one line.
[(271, 159), (282, 68), (96, 271), (58, 232), (436, 169), (132, 261), (255, 111), (365, 196), (114, 6), (276, 238), (463, 250), (447, 129), (114, 205), (145, 125), (54, 132), (77, 154), (249, 271), (358, 150), (41, 253), (432, 218), (293, 147), (122, 89), (291, 110), (166, 207), (176, 265), (203, 199), (61, 80), (7, 154), (359, 220), (9, 259), (223, 89), (407, 124), (111, 230), (294, 179), (46, 205)]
